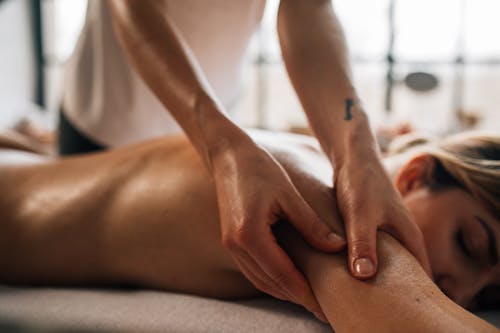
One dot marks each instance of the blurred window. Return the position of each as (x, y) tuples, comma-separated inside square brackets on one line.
[(453, 40)]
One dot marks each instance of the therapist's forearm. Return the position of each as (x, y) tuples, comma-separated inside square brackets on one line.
[(168, 67), (315, 55)]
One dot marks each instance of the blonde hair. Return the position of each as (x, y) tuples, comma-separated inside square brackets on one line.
[(469, 160)]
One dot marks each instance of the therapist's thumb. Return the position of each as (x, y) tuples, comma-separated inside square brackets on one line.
[(362, 250), (309, 225)]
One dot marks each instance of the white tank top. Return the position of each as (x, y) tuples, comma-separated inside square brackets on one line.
[(105, 98)]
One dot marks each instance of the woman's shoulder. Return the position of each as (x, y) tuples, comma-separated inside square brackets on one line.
[(300, 155), (308, 168), (285, 140)]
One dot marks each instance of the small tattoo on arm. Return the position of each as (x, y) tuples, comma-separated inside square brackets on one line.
[(348, 104)]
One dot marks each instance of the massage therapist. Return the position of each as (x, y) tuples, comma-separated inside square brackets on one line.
[(142, 68)]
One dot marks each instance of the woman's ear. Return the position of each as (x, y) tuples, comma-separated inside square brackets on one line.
[(416, 173)]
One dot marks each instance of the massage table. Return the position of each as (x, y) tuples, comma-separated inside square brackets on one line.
[(106, 310)]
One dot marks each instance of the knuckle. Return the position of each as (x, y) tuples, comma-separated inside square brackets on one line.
[(355, 216), (228, 243), (313, 222), (245, 237), (360, 246), (242, 237), (281, 279)]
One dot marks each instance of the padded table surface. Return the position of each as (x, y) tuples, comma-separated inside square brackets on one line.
[(101, 310), (98, 310)]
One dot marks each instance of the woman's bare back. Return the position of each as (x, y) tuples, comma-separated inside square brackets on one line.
[(147, 215)]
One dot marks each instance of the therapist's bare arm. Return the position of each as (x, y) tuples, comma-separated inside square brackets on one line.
[(315, 53), (253, 190)]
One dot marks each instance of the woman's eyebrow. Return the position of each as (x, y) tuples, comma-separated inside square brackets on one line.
[(492, 243)]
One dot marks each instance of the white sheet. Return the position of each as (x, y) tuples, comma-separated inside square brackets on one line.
[(147, 311), (87, 310)]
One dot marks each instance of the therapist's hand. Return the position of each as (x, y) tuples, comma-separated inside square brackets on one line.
[(368, 202), (253, 193)]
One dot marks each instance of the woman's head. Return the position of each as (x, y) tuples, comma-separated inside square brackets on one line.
[(452, 187)]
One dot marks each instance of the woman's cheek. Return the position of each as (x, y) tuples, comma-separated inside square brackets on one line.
[(437, 241)]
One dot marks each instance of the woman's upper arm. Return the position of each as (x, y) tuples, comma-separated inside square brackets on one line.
[(400, 298)]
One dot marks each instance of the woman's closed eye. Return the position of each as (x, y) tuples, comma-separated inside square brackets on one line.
[(471, 244), (462, 245), (475, 242)]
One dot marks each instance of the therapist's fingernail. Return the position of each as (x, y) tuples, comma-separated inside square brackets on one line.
[(335, 238), (364, 267)]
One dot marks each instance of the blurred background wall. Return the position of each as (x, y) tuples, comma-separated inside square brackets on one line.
[(17, 63), (433, 64)]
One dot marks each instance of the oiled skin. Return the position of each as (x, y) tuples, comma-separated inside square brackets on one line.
[(135, 214), (147, 215)]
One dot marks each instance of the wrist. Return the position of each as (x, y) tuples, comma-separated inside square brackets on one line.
[(227, 148), (354, 142), (230, 143), (216, 134)]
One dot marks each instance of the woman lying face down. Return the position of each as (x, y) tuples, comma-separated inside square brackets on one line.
[(147, 215), (452, 188)]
